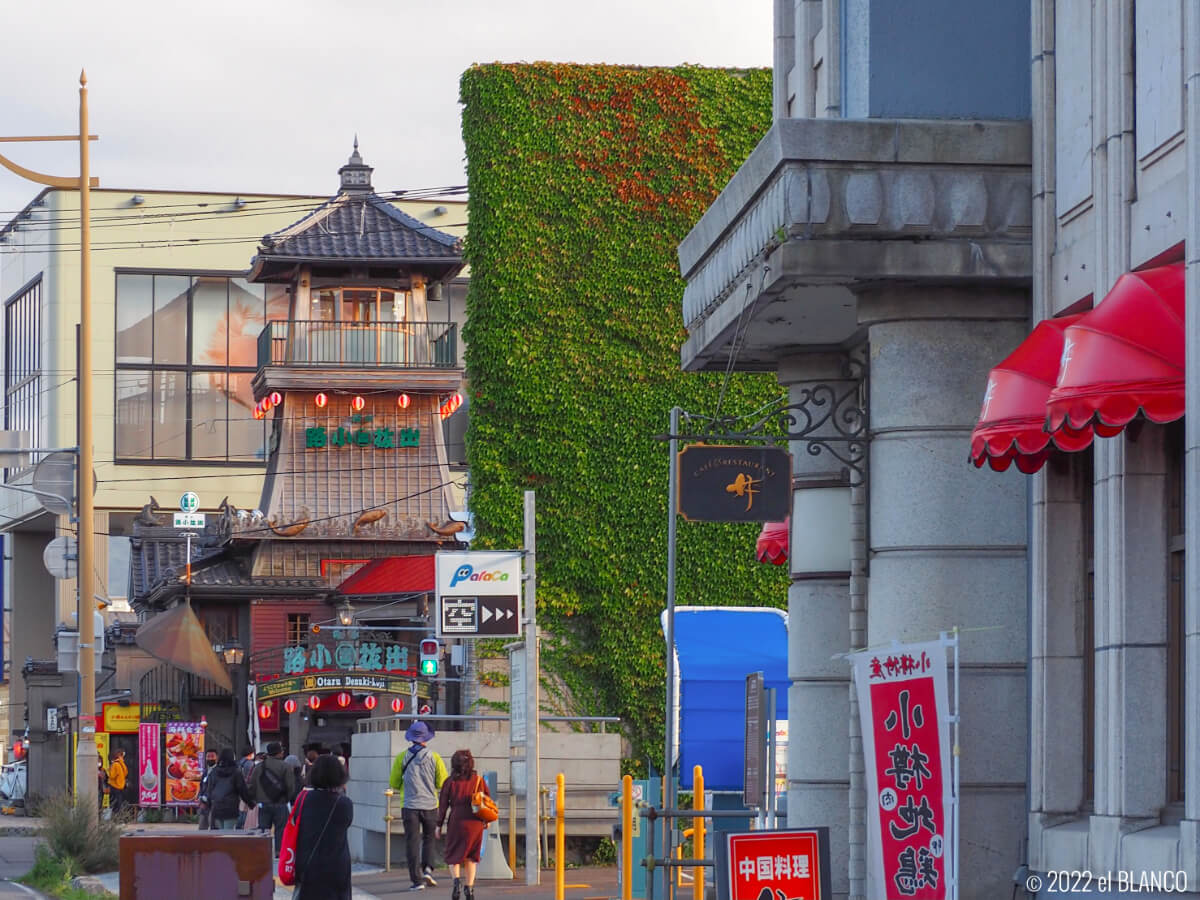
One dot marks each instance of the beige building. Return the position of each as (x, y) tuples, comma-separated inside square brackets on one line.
[(177, 330)]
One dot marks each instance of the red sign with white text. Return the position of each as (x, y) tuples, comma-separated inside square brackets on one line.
[(149, 779), (776, 865)]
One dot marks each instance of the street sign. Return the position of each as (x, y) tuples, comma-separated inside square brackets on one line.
[(734, 483), (54, 482), (478, 594), (516, 703), (189, 520), (754, 783), (792, 863), (61, 557), (189, 502)]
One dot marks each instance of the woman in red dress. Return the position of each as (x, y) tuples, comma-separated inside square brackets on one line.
[(464, 837)]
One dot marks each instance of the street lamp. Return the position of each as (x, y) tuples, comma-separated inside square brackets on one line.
[(345, 613), (233, 652)]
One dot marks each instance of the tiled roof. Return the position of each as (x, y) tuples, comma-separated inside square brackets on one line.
[(360, 226)]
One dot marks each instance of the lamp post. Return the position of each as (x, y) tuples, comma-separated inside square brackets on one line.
[(345, 613), (85, 753), (234, 655)]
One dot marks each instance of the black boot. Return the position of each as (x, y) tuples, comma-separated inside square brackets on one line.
[(456, 893), (470, 892)]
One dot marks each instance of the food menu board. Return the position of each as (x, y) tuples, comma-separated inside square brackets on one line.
[(183, 742)]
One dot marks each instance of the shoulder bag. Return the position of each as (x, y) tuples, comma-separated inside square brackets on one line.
[(482, 805)]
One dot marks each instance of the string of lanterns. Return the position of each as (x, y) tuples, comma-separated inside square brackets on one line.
[(343, 699), (446, 408)]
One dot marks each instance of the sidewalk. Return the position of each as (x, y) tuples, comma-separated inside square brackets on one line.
[(581, 884)]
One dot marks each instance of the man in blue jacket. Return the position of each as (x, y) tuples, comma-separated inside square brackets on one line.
[(417, 775)]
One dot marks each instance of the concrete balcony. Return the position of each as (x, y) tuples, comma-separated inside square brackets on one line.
[(825, 208)]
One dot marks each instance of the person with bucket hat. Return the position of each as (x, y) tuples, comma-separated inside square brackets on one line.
[(417, 776)]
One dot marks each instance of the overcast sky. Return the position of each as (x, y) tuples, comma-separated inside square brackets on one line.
[(247, 96)]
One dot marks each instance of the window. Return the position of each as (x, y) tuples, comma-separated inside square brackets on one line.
[(186, 351), (23, 362), (297, 629), (1176, 668)]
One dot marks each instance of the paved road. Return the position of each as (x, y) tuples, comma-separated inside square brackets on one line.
[(581, 884), (16, 858)]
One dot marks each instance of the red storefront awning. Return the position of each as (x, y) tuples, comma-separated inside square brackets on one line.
[(1123, 359), (772, 543), (391, 575), (1010, 427)]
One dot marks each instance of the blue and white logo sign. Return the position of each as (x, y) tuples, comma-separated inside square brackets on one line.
[(478, 594), (189, 502)]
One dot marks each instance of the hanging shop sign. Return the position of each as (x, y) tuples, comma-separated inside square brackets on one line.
[(354, 682), (149, 782), (346, 653), (183, 742), (790, 864), (906, 745), (719, 483), (118, 719)]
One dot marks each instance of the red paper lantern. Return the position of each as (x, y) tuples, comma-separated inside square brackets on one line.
[(449, 407), (397, 705), (403, 400), (369, 701), (289, 706), (266, 404), (259, 412), (264, 710), (276, 398), (357, 404), (314, 702), (320, 400), (343, 699)]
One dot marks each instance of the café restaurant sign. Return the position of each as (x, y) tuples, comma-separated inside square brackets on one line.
[(734, 483)]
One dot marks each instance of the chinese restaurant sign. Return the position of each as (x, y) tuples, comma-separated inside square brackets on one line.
[(779, 865), (734, 483), (149, 782), (903, 698)]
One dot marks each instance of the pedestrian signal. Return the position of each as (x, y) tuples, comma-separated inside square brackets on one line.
[(430, 656)]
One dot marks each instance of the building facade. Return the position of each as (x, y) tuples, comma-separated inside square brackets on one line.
[(175, 398), (1024, 244)]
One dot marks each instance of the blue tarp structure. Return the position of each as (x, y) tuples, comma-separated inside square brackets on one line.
[(716, 648)]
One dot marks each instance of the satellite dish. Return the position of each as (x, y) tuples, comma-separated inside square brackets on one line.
[(61, 557), (54, 483)]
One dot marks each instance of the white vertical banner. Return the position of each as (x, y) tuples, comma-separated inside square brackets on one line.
[(253, 731), (904, 703)]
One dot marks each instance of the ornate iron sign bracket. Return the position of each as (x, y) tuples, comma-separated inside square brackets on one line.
[(826, 418)]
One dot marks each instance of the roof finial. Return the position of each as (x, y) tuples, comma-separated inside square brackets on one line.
[(356, 142)]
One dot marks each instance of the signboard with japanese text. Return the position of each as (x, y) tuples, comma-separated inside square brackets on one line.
[(118, 719), (734, 483), (775, 865), (149, 760), (184, 743), (354, 682), (346, 652), (479, 594), (903, 699)]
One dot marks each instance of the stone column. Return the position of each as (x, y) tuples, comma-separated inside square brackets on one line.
[(818, 615), (948, 541)]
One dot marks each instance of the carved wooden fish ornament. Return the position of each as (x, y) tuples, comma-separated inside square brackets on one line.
[(448, 529), (291, 530), (371, 515)]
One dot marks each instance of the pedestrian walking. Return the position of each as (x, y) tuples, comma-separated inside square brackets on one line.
[(273, 785), (293, 762), (223, 789), (417, 776), (464, 836), (322, 850), (248, 808), (118, 774), (101, 782)]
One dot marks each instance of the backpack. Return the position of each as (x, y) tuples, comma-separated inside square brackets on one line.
[(219, 789), (274, 786)]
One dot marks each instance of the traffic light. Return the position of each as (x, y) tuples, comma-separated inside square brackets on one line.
[(430, 656)]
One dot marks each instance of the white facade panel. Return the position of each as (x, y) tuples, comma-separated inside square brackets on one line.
[(1073, 103), (1158, 73)]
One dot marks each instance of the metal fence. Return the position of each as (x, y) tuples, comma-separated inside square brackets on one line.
[(303, 343)]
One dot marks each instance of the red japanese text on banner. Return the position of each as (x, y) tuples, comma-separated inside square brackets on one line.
[(903, 700), (149, 781)]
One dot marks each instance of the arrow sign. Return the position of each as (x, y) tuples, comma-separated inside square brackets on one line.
[(489, 616)]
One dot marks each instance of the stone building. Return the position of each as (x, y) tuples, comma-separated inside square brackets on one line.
[(924, 229)]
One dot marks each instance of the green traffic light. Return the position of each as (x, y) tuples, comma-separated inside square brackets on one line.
[(429, 667)]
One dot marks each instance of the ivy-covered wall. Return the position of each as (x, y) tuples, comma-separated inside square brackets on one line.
[(583, 179)]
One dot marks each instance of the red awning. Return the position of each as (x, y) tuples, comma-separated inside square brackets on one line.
[(772, 543), (1010, 427), (391, 575), (1123, 359)]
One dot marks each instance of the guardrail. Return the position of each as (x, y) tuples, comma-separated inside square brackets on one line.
[(358, 345)]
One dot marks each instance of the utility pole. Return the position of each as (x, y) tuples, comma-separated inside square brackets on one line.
[(85, 756), (533, 758)]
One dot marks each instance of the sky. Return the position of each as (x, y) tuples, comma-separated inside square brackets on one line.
[(261, 97)]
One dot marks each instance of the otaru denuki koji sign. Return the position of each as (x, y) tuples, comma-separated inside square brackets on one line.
[(903, 699)]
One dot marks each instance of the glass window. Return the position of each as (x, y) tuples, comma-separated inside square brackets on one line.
[(118, 567), (297, 629), (187, 350), (22, 364), (170, 319)]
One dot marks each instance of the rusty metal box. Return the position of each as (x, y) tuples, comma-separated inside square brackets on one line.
[(196, 865)]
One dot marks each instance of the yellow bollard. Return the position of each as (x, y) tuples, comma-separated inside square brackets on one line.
[(627, 837), (698, 832), (387, 831), (560, 838)]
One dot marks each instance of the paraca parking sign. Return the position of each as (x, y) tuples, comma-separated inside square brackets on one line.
[(478, 594)]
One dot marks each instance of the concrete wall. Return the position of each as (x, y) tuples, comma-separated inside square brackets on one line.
[(591, 764)]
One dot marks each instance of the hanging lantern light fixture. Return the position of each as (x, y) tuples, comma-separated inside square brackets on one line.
[(357, 404), (314, 702), (397, 705), (320, 400), (370, 702), (264, 710), (276, 398), (403, 400), (266, 404), (289, 706), (258, 411), (343, 699)]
